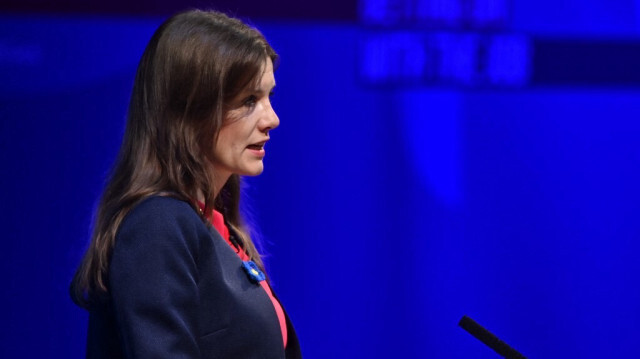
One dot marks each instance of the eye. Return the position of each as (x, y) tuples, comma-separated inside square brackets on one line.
[(250, 101), (271, 95)]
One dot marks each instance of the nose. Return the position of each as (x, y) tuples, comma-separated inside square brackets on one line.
[(270, 119)]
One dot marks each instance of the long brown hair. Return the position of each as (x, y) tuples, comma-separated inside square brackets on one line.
[(195, 64)]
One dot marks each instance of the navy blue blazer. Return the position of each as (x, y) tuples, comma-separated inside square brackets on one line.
[(177, 290)]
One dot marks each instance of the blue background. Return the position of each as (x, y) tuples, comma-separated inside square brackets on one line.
[(387, 212)]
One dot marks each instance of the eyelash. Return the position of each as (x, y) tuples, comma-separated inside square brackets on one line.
[(250, 101), (253, 99)]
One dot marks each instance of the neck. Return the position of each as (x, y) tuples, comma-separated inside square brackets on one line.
[(220, 179)]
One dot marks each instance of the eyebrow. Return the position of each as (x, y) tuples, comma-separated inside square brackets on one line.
[(259, 89)]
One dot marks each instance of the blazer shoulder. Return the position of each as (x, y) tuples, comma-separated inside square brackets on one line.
[(153, 279), (164, 218), (161, 211)]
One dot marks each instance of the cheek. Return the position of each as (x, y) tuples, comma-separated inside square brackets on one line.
[(222, 147), (237, 139), (229, 143)]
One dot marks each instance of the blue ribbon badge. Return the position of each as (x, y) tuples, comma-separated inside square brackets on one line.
[(254, 273)]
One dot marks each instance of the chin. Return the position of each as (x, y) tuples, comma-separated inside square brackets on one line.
[(253, 171)]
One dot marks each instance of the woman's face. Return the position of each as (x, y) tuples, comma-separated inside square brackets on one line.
[(240, 145)]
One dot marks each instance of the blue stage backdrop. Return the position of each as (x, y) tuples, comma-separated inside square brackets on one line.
[(392, 202)]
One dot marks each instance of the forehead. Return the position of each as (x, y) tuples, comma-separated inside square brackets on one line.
[(266, 80), (267, 65)]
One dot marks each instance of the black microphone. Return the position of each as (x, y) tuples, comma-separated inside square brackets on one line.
[(489, 339)]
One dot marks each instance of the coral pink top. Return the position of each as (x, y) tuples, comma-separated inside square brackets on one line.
[(217, 220)]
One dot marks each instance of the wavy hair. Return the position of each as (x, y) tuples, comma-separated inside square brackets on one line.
[(195, 64)]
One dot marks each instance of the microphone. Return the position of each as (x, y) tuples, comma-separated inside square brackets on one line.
[(489, 339)]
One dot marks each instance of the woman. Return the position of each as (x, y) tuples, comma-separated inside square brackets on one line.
[(171, 271)]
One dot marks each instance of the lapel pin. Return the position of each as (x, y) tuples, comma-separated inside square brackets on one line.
[(252, 270)]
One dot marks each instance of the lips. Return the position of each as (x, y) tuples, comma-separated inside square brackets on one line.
[(257, 146)]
